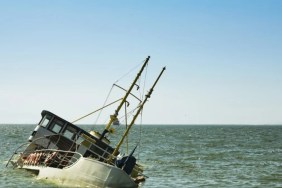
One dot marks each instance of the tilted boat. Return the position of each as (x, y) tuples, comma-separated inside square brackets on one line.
[(61, 151)]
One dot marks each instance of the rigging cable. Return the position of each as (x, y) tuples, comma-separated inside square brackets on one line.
[(96, 111), (104, 104), (113, 87), (128, 72), (126, 127), (141, 113)]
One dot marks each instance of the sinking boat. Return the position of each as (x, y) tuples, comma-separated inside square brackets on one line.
[(60, 151)]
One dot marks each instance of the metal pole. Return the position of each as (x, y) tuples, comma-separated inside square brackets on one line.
[(114, 116), (136, 115)]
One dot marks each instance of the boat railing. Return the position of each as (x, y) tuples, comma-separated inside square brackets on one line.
[(102, 155), (20, 149), (23, 151), (91, 146), (62, 157), (50, 158)]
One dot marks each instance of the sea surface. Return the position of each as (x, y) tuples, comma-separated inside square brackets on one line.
[(180, 156)]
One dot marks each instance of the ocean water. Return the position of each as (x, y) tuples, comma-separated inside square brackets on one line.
[(180, 156)]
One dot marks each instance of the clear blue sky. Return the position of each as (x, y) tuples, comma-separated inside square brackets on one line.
[(223, 58)]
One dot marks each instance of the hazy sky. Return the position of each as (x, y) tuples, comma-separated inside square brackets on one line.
[(223, 58)]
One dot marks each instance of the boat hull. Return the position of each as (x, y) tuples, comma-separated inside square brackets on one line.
[(85, 172)]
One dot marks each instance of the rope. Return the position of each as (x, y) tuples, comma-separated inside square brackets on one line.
[(130, 112), (141, 114), (128, 72), (114, 85), (104, 104), (125, 111), (96, 111)]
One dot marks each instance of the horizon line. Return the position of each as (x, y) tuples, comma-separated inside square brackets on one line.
[(181, 124)]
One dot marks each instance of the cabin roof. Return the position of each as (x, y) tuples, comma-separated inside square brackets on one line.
[(78, 129)]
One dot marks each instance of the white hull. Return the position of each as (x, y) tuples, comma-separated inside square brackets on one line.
[(85, 173)]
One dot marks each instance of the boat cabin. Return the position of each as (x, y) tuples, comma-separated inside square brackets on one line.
[(53, 132)]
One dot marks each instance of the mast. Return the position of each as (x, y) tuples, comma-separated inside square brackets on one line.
[(114, 116), (136, 115)]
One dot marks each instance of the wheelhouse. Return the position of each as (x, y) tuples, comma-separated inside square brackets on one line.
[(53, 132)]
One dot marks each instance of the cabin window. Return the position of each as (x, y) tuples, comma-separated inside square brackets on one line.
[(69, 133), (45, 122), (57, 126), (79, 139)]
